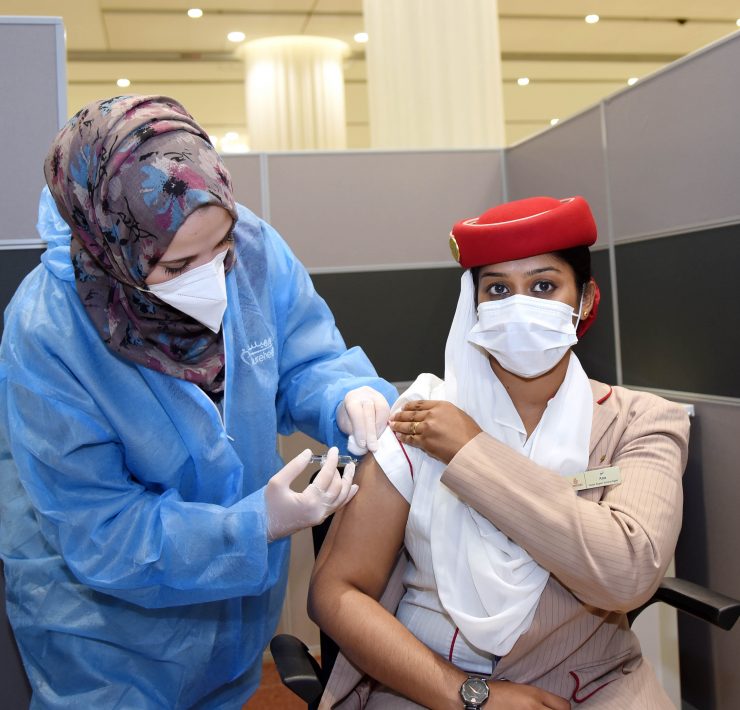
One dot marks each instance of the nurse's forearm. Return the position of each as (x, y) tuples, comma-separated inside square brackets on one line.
[(375, 641)]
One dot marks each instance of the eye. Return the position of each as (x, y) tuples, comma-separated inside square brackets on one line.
[(543, 287), (228, 239), (174, 270), (498, 289)]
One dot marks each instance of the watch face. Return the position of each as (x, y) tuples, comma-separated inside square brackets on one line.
[(474, 690)]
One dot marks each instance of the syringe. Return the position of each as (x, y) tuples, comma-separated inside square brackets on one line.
[(341, 460)]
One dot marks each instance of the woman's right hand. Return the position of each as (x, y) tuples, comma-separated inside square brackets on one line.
[(437, 427), (505, 695), (289, 511)]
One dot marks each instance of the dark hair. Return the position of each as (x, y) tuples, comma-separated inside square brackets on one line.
[(578, 258)]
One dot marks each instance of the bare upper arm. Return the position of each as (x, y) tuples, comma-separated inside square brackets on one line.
[(365, 536)]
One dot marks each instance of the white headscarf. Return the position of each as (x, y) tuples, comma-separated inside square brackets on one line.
[(489, 585)]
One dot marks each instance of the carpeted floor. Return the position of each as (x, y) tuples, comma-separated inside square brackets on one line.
[(272, 694)]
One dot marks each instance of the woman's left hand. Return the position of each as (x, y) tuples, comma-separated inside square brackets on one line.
[(439, 428), (363, 415)]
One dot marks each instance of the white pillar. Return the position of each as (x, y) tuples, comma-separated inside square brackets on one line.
[(434, 73), (295, 93)]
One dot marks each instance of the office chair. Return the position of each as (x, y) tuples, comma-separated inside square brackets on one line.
[(298, 669), (301, 672)]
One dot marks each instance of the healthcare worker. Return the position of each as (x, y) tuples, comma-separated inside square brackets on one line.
[(146, 369), (535, 506)]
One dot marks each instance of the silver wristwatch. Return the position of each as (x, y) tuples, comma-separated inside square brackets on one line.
[(474, 692)]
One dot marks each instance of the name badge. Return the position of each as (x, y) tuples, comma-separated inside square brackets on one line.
[(596, 478)]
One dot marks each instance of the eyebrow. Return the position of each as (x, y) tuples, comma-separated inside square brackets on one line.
[(533, 272), (185, 260)]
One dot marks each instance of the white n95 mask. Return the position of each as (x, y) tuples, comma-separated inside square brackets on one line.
[(528, 336), (199, 293)]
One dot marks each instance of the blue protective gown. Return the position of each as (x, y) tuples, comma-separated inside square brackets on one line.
[(132, 515)]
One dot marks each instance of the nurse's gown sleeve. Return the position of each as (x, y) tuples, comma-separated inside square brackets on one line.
[(316, 368), (149, 548)]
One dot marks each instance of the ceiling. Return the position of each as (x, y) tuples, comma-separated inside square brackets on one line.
[(571, 64)]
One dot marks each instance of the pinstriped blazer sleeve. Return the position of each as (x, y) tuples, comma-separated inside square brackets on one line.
[(609, 546)]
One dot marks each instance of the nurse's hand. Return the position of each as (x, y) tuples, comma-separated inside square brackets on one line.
[(439, 428), (363, 415), (289, 511)]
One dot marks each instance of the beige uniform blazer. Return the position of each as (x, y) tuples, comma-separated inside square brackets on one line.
[(606, 548)]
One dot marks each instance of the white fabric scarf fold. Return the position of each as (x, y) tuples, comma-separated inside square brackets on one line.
[(487, 583)]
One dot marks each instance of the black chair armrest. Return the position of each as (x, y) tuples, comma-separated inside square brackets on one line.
[(699, 601), (298, 669), (703, 603)]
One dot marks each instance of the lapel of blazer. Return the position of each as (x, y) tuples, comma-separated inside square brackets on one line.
[(604, 413)]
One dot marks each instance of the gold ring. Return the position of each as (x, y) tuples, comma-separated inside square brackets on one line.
[(413, 428)]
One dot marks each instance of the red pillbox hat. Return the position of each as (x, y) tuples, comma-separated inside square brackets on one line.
[(516, 230)]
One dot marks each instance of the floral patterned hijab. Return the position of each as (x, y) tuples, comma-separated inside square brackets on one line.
[(125, 173)]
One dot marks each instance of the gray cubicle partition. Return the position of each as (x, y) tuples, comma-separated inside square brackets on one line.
[(377, 210), (567, 160), (672, 150), (248, 177), (686, 284), (33, 90), (33, 106)]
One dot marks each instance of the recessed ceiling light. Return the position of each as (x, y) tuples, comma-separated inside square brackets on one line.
[(361, 37), (737, 22), (123, 83), (592, 19), (195, 12), (523, 80), (554, 121), (236, 36), (633, 80)]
